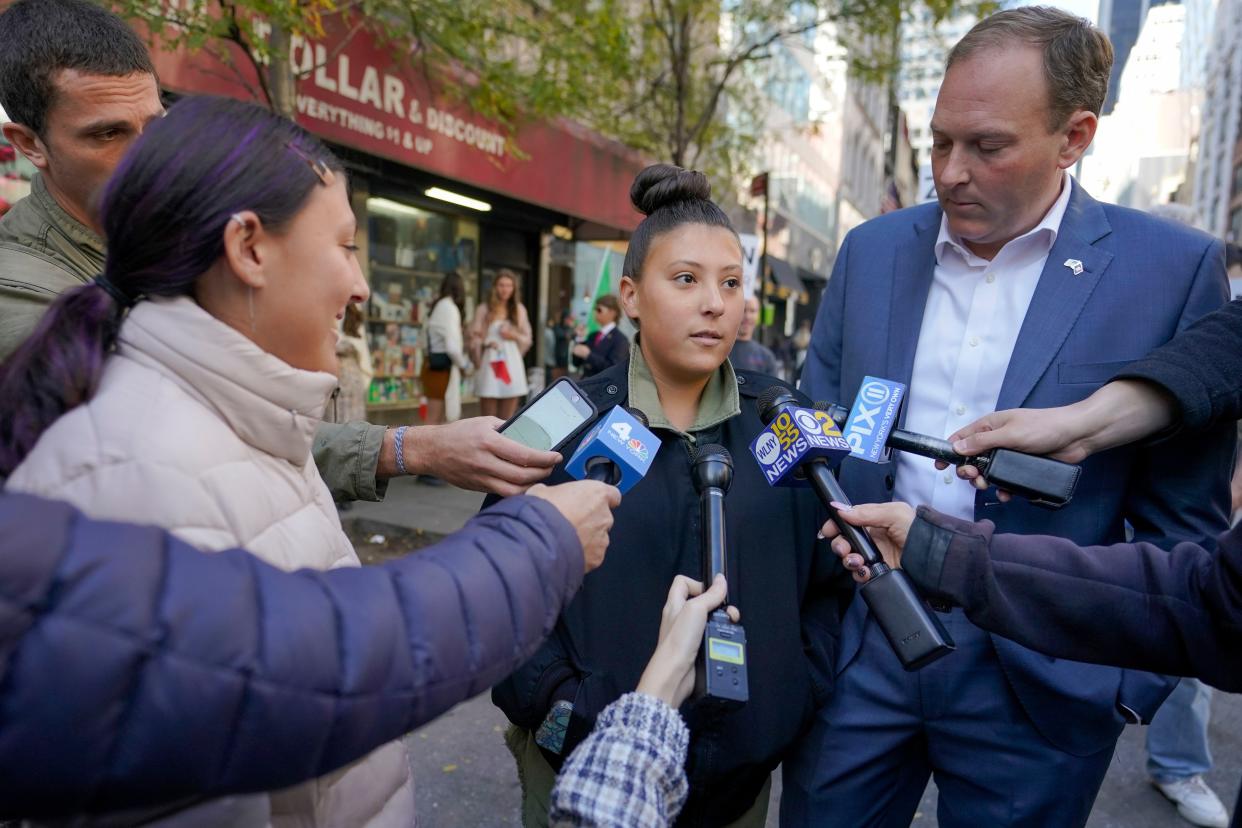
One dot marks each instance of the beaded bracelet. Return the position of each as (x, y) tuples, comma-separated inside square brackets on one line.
[(399, 440)]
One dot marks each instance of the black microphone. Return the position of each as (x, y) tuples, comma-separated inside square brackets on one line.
[(720, 674), (1042, 480), (912, 629), (603, 470)]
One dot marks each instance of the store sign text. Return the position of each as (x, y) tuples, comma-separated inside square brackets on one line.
[(386, 94)]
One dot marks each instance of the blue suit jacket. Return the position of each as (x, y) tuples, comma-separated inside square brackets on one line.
[(1143, 280)]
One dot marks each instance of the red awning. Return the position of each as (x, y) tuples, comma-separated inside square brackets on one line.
[(357, 97)]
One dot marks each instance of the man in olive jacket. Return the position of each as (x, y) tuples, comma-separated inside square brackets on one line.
[(80, 87)]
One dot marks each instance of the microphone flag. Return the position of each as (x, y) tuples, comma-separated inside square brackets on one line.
[(622, 439), (795, 435), (872, 418)]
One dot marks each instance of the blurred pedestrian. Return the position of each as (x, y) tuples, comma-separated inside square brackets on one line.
[(354, 357), (446, 356), (801, 342), (183, 387), (747, 352), (500, 336), (608, 346), (560, 339)]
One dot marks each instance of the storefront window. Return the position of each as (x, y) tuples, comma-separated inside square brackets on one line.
[(411, 249)]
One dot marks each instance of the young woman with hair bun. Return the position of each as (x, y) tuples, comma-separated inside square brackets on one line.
[(682, 288)]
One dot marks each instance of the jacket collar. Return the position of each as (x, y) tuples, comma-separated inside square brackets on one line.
[(77, 232), (720, 400), (269, 404), (1074, 267), (39, 225), (1055, 307), (914, 264)]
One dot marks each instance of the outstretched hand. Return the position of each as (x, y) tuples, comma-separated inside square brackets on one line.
[(473, 455), (1052, 432), (887, 523), (670, 673)]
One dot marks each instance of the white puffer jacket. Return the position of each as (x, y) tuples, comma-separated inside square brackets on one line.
[(196, 429)]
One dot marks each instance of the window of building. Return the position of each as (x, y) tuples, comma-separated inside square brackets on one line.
[(411, 250)]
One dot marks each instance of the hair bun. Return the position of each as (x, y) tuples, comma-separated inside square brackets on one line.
[(663, 184)]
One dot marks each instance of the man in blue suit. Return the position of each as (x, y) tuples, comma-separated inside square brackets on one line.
[(1017, 289)]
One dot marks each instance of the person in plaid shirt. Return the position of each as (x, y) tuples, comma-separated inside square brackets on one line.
[(630, 770)]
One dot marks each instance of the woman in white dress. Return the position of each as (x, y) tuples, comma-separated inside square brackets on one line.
[(350, 403), (500, 335), (446, 358)]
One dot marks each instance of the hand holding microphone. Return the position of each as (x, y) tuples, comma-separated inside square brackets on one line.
[(610, 460), (800, 444), (887, 524), (720, 680), (670, 674), (588, 507), (869, 429)]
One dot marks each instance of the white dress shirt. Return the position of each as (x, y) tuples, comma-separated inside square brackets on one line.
[(975, 309)]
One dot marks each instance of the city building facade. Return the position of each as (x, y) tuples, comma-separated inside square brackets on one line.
[(1218, 169)]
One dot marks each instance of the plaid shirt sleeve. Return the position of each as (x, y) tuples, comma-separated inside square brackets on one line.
[(628, 771)]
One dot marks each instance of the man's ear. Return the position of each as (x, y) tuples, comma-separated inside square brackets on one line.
[(1079, 133), (28, 143), (244, 239), (628, 291)]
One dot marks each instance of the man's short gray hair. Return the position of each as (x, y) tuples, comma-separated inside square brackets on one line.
[(1078, 57)]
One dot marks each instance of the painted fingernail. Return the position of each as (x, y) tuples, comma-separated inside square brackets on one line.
[(842, 507), (820, 535)]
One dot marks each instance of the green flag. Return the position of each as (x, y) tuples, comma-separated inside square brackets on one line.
[(603, 287)]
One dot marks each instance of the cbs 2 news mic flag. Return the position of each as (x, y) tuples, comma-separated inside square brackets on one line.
[(794, 436), (872, 418), (622, 439)]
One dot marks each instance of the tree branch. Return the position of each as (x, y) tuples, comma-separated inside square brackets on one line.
[(736, 60)]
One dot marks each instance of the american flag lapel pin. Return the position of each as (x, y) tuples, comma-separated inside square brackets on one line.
[(1075, 266)]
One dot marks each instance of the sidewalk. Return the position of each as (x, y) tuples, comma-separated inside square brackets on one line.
[(412, 505), (464, 775)]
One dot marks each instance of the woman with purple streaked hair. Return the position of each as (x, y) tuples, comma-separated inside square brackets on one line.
[(184, 386)]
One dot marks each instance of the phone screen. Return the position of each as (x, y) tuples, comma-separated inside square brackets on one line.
[(551, 418)]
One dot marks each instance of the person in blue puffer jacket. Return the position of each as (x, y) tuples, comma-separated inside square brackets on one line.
[(137, 672)]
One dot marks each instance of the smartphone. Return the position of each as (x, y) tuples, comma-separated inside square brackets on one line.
[(550, 420)]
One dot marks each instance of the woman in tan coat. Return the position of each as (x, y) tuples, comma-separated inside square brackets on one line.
[(184, 386)]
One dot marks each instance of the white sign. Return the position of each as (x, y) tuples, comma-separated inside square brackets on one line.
[(750, 262), (927, 185)]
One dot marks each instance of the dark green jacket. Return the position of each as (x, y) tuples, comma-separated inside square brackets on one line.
[(43, 252)]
